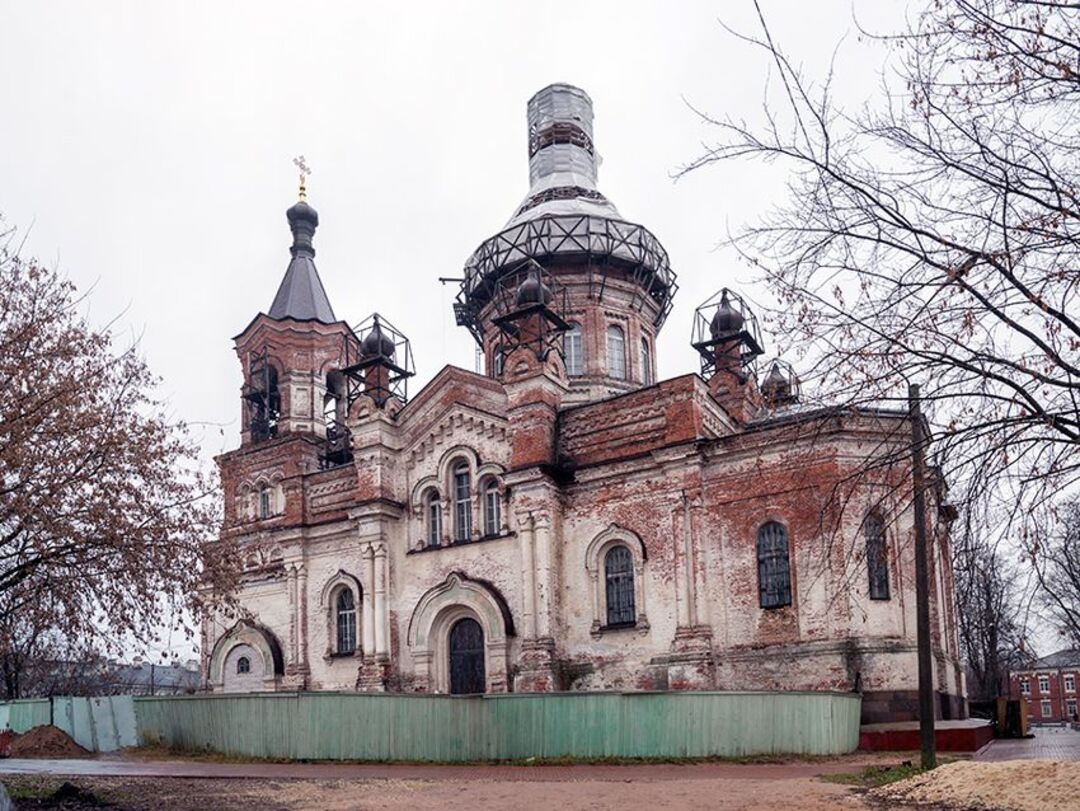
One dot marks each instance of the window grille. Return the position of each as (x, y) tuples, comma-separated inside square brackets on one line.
[(492, 522), (346, 622), (462, 504), (877, 561), (243, 665), (572, 354), (774, 568), (619, 580), (434, 520), (616, 352)]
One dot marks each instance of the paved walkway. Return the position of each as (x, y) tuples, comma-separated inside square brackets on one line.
[(1049, 743), (120, 767)]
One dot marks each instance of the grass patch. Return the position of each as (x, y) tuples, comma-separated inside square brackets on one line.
[(875, 776)]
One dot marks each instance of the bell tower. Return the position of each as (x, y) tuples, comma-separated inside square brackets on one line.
[(291, 354)]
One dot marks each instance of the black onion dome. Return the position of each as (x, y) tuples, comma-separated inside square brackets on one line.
[(532, 291), (377, 343), (302, 211), (727, 319)]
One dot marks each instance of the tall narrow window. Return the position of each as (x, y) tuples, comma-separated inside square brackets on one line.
[(877, 562), (774, 570), (434, 519), (265, 502), (492, 522), (462, 503), (616, 352), (619, 586), (572, 350), (498, 360), (346, 622), (646, 363)]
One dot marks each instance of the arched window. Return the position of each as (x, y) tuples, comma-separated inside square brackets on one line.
[(346, 622), (492, 519), (619, 586), (774, 569), (572, 351), (243, 665), (877, 562), (266, 501), (462, 503), (646, 363), (433, 507), (616, 352)]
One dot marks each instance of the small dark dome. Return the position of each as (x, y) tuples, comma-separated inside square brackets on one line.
[(727, 319), (377, 342), (532, 291), (302, 212), (776, 386)]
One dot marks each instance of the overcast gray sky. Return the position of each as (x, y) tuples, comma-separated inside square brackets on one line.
[(147, 147)]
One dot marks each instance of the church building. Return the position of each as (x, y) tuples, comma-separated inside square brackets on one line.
[(567, 520)]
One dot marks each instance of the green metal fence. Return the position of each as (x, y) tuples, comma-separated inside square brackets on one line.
[(102, 724), (378, 727)]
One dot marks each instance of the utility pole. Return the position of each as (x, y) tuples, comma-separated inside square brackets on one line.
[(922, 585)]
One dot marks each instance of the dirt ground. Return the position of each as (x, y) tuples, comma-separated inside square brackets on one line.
[(182, 794)]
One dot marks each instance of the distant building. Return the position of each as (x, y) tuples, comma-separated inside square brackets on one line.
[(567, 520), (101, 677), (1049, 686)]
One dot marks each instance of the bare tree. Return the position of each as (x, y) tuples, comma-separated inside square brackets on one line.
[(935, 237), (1055, 552), (989, 598), (104, 516)]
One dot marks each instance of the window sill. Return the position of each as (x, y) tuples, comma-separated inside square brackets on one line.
[(458, 544), (357, 654), (641, 625)]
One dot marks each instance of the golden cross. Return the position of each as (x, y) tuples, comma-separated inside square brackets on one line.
[(305, 170)]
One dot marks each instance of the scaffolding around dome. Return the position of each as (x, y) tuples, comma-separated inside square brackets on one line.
[(603, 245), (378, 362), (726, 326), (529, 310)]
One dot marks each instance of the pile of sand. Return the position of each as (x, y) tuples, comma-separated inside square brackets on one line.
[(45, 741), (1014, 785)]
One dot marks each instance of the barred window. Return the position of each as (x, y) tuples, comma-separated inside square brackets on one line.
[(616, 352), (572, 353), (619, 580), (492, 522), (877, 561), (243, 665), (434, 519), (265, 510), (774, 569), (462, 503), (346, 622)]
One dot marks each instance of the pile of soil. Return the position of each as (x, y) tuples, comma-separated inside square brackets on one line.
[(45, 741), (1012, 785)]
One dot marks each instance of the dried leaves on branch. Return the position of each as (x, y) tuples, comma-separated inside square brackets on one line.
[(934, 237), (104, 516)]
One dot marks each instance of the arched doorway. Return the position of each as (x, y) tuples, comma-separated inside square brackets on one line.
[(467, 657)]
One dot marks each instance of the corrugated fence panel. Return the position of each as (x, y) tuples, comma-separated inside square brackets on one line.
[(376, 727), (27, 713), (99, 724)]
